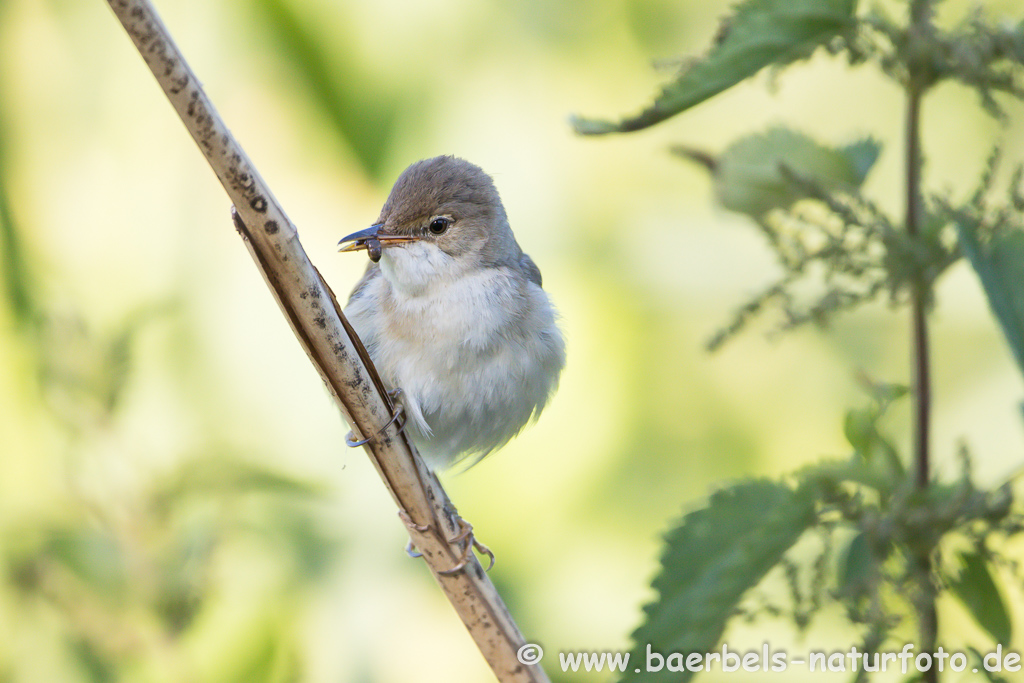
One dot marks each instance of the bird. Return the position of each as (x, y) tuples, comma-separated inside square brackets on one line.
[(453, 313)]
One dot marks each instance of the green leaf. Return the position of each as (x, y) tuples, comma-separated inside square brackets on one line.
[(877, 452), (218, 476), (976, 662), (95, 557), (862, 154), (885, 393), (710, 560), (16, 275), (360, 110), (861, 430), (772, 170), (95, 665), (1000, 267), (112, 373), (858, 426), (760, 33), (858, 568), (978, 592)]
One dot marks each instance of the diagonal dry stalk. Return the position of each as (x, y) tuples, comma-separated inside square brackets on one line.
[(314, 315)]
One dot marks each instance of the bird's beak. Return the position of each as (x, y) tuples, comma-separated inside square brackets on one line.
[(364, 239)]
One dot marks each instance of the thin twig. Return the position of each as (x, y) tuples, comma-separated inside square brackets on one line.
[(318, 323)]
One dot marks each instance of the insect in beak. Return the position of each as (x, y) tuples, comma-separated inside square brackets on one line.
[(373, 239)]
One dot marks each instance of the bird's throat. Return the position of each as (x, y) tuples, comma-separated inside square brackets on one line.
[(418, 269)]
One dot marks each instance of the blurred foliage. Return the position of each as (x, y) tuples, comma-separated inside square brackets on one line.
[(980, 53), (977, 590), (992, 238), (127, 582), (361, 111), (906, 541), (764, 176), (838, 238), (712, 559), (717, 557), (772, 170), (118, 588), (17, 281), (760, 33)]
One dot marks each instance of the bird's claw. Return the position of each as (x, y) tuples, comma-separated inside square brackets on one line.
[(407, 520), (468, 539), (465, 538), (350, 439), (410, 547)]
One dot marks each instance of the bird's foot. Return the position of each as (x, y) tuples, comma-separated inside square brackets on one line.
[(399, 411), (410, 547), (465, 540), (468, 543)]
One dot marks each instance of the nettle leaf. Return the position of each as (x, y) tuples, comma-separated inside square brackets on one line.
[(710, 560), (858, 569), (862, 154), (760, 33), (976, 589), (1000, 267), (976, 662), (877, 452), (772, 170)]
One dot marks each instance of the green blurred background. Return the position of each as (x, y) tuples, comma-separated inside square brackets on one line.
[(176, 500)]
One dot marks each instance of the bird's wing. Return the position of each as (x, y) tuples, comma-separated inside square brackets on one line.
[(370, 273), (531, 270)]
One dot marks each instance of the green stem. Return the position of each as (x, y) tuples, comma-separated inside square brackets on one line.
[(919, 323), (920, 16)]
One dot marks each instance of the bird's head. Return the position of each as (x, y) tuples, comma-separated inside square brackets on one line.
[(443, 218)]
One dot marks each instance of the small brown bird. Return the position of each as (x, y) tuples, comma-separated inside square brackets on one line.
[(452, 312)]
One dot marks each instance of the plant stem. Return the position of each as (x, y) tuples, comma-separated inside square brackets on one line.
[(922, 378), (920, 15), (919, 24), (919, 323)]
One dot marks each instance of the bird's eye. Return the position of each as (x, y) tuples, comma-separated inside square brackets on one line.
[(439, 225)]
